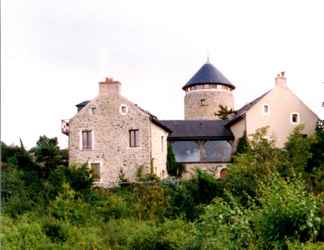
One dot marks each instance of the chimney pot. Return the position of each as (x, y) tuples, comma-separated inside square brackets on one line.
[(281, 80)]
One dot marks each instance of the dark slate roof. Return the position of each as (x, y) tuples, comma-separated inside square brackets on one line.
[(239, 114), (198, 129), (81, 105), (208, 73)]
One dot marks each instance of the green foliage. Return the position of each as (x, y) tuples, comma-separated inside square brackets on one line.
[(317, 147), (174, 168), (254, 166), (226, 225), (242, 145), (270, 199), (287, 212), (171, 162), (23, 233), (56, 231), (47, 154), (224, 112), (298, 148), (152, 201)]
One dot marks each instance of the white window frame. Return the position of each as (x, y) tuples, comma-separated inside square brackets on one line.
[(291, 118), (100, 167), (80, 139), (121, 109), (93, 110), (263, 111)]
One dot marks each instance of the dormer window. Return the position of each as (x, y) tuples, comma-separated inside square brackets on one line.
[(266, 109), (294, 118)]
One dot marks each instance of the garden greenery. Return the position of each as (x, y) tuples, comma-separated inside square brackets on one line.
[(270, 199)]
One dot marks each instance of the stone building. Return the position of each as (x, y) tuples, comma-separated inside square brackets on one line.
[(117, 138)]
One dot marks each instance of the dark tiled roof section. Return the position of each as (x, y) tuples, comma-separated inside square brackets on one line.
[(198, 130), (81, 105), (208, 74), (154, 119), (239, 114)]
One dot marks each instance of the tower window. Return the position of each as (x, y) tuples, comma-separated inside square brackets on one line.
[(294, 118), (203, 102)]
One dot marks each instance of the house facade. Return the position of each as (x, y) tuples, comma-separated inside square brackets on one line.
[(117, 138)]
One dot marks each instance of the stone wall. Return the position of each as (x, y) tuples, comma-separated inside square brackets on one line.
[(195, 110), (211, 168), (111, 138)]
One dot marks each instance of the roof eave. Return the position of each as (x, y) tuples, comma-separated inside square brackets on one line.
[(203, 83), (198, 138), (159, 124), (235, 120)]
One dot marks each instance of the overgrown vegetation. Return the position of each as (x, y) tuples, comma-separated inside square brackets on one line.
[(270, 199)]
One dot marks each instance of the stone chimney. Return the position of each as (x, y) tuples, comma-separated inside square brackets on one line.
[(109, 87), (281, 80)]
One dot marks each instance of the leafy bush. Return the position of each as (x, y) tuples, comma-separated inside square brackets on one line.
[(23, 233), (287, 212)]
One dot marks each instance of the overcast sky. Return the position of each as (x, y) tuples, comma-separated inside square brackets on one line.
[(54, 53)]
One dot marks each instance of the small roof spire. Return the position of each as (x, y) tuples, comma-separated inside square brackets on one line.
[(208, 61)]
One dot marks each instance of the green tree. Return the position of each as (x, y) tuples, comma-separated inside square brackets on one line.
[(47, 154), (173, 168), (243, 145), (298, 148), (224, 112)]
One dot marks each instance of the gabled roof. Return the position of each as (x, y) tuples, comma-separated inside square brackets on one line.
[(239, 114), (198, 130), (208, 74), (152, 117)]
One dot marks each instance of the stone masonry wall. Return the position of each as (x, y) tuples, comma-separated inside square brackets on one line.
[(111, 138), (194, 110), (211, 168)]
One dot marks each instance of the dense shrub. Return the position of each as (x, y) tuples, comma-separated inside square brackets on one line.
[(287, 212), (271, 199)]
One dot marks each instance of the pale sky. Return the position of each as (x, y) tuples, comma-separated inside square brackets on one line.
[(54, 53)]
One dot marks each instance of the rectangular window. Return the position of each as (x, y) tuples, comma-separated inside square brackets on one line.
[(95, 171), (133, 138), (294, 118), (162, 144), (266, 109), (86, 139)]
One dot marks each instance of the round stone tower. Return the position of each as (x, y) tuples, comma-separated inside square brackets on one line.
[(205, 92)]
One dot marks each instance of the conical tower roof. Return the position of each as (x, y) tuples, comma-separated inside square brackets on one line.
[(208, 74)]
